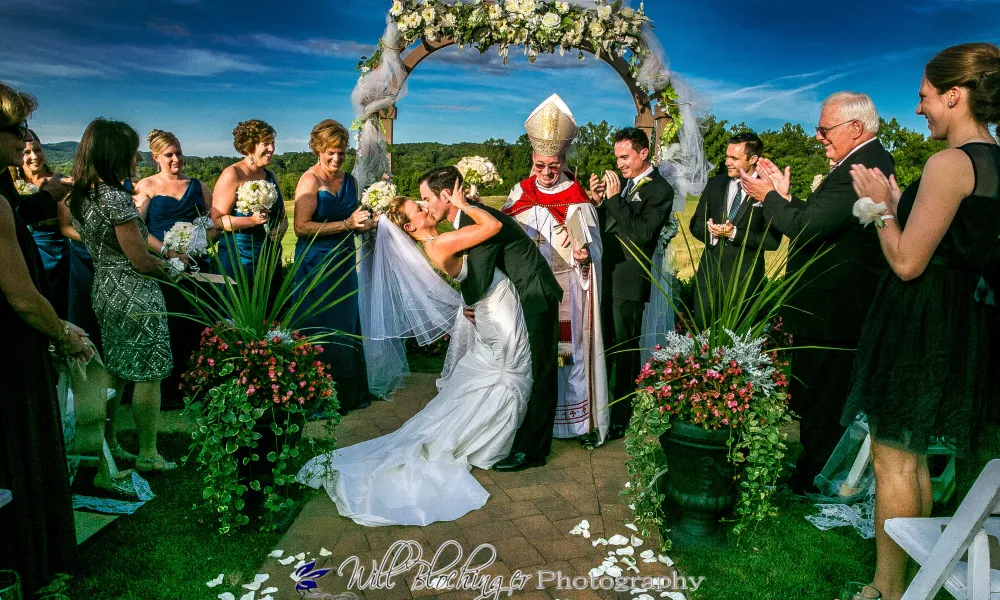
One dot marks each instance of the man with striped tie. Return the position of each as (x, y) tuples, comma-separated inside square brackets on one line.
[(733, 229)]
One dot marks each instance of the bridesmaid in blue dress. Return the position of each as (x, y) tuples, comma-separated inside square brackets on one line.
[(326, 217), (244, 236), (52, 245), (164, 199)]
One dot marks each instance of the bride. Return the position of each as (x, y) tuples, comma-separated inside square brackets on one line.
[(420, 473)]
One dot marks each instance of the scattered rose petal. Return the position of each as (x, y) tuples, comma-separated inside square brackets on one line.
[(596, 572), (276, 553), (644, 597), (216, 581), (673, 595), (636, 541), (575, 531), (584, 524), (648, 554), (618, 540), (226, 596), (626, 551), (638, 591), (268, 597), (665, 560), (631, 506), (301, 556), (287, 560), (325, 552), (269, 590), (600, 541), (586, 533), (631, 526), (614, 571), (257, 580), (248, 596)]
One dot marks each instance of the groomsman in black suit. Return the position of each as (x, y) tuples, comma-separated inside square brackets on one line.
[(518, 257), (835, 294), (733, 229), (634, 211)]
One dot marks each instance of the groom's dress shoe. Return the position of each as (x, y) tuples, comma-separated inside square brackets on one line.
[(518, 461), (616, 432)]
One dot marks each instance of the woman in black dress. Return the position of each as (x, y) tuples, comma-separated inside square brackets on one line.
[(39, 536), (921, 367)]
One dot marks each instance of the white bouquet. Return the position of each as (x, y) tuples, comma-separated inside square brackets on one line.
[(25, 188), (256, 196), (189, 238), (377, 196), (477, 170)]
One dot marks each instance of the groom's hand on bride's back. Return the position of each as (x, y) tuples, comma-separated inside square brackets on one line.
[(470, 313)]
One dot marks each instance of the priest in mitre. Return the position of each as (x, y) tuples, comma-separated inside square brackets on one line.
[(557, 213)]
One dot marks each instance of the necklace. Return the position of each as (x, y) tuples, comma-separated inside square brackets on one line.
[(431, 238)]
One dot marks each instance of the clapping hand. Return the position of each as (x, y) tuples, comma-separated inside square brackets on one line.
[(597, 188), (872, 183), (756, 187), (612, 184), (781, 180), (720, 231)]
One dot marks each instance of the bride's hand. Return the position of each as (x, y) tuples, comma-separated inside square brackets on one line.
[(457, 197)]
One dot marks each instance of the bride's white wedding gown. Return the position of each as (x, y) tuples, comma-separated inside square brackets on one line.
[(419, 473)]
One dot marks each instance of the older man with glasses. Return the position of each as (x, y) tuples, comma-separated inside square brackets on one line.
[(826, 314)]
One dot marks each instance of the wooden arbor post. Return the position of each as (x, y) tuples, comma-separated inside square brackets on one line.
[(649, 115)]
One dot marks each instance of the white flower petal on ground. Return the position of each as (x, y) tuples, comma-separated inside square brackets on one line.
[(268, 597), (615, 571), (596, 572), (636, 541), (644, 597), (673, 595), (226, 596), (601, 541), (269, 590), (586, 533), (575, 531), (287, 560), (626, 551), (325, 552), (663, 558), (248, 596), (301, 556), (648, 554), (618, 540), (216, 581), (631, 526), (276, 553), (257, 580), (584, 524)]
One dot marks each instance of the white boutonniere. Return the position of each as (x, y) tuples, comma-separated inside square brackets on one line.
[(817, 180), (639, 184)]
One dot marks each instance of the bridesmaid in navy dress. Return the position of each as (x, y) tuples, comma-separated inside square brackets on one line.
[(164, 199), (326, 217), (243, 236), (52, 245)]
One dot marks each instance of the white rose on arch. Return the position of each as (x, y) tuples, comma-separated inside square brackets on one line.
[(604, 13), (551, 21), (596, 29)]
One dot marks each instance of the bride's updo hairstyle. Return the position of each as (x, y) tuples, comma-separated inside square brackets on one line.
[(975, 67), (395, 211)]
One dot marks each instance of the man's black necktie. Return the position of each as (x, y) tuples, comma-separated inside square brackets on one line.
[(736, 202), (627, 188)]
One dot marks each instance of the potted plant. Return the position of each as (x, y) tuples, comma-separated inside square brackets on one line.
[(252, 384), (708, 409)]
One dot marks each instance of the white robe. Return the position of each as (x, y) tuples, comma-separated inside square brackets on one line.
[(583, 386)]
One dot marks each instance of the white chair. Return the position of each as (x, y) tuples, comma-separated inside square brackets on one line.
[(938, 545)]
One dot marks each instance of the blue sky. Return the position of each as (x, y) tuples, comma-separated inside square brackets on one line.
[(197, 67)]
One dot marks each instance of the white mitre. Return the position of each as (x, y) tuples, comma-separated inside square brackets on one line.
[(551, 127)]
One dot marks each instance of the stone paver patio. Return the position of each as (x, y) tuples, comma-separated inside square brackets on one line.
[(527, 520)]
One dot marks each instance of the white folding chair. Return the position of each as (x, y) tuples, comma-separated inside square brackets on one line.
[(939, 553)]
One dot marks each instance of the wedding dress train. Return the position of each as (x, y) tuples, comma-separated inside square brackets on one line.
[(420, 473)]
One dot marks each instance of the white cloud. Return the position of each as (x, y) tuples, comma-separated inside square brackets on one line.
[(189, 62)]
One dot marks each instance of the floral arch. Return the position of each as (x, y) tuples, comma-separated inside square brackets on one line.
[(613, 32)]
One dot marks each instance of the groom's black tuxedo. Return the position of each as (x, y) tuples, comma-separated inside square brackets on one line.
[(513, 252)]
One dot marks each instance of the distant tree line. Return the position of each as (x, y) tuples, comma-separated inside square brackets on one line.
[(591, 152)]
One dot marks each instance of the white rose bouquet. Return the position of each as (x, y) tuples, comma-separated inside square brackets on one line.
[(256, 197), (476, 171), (376, 197), (25, 188), (189, 238)]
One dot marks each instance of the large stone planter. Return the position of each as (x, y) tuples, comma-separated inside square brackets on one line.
[(699, 482)]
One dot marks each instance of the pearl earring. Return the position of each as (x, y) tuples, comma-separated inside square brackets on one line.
[(950, 105)]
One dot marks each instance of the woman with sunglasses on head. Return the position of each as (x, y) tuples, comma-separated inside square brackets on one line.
[(39, 534)]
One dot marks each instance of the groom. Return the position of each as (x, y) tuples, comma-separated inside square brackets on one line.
[(513, 252)]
